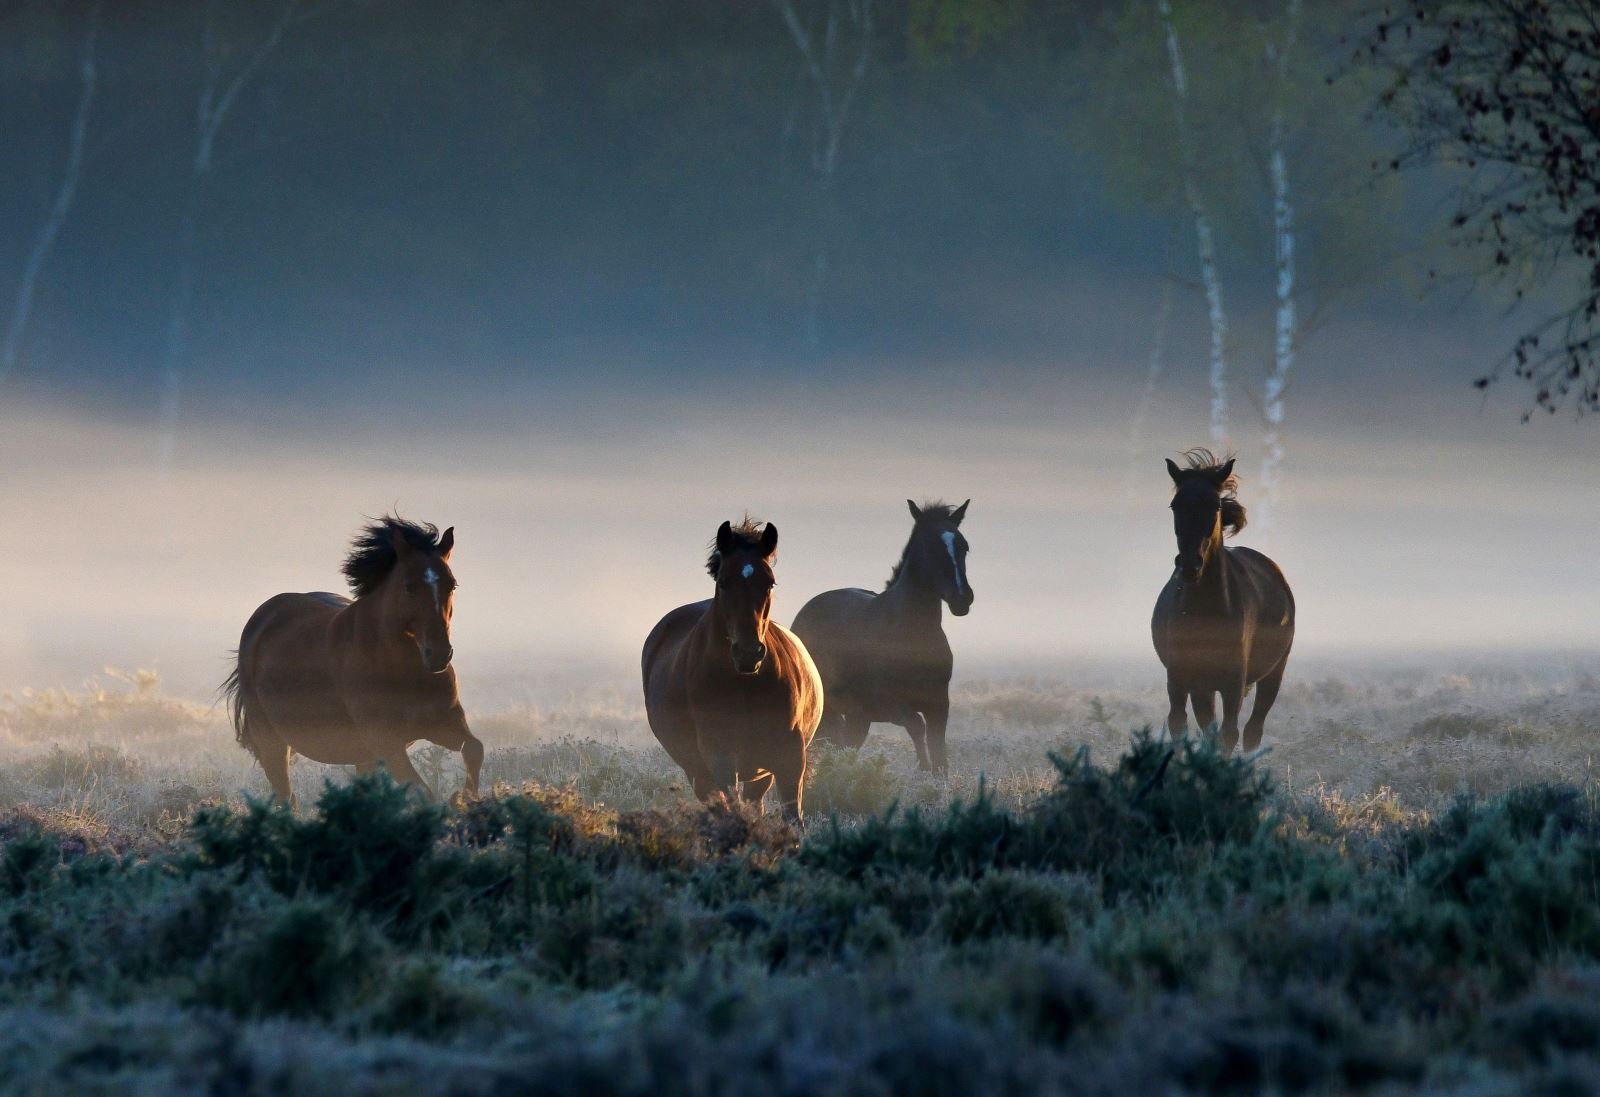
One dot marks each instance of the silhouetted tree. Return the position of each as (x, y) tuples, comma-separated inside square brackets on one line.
[(1509, 91)]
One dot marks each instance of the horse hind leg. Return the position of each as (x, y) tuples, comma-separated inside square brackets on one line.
[(1266, 694), (831, 727), (917, 727), (274, 755), (855, 731), (1204, 703)]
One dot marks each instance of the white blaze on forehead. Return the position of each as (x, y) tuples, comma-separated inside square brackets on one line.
[(431, 577), (749, 570), (950, 547)]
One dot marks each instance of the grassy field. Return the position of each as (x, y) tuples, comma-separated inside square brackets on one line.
[(1401, 895)]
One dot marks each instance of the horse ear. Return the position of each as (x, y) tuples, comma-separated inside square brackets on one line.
[(446, 543), (769, 540), (959, 513), (1222, 474), (1174, 471), (916, 511), (724, 537)]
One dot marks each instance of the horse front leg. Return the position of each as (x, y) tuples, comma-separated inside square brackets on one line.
[(916, 726), (1177, 707), (1266, 694), (1232, 701), (472, 758), (393, 757), (789, 778), (937, 714)]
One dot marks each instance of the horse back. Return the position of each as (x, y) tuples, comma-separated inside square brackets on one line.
[(832, 627), (286, 667)]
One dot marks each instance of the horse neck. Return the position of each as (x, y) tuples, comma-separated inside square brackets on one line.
[(913, 593), (713, 628), (374, 634), (1212, 593)]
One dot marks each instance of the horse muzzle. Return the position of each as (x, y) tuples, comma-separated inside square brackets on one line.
[(1189, 567), (962, 606), (437, 660), (747, 658)]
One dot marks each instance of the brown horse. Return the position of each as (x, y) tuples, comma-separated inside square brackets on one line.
[(357, 682), (1225, 620), (730, 693), (884, 657)]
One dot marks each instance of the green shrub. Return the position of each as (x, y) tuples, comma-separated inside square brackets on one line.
[(1023, 905), (307, 958), (842, 781), (371, 843)]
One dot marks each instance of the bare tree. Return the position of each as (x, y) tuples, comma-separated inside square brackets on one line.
[(22, 310), (1509, 91), (219, 92), (1204, 238), (835, 72)]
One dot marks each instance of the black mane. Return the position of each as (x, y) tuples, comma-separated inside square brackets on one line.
[(746, 533), (1203, 461), (372, 555), (932, 513)]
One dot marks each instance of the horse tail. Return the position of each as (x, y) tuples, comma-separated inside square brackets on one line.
[(232, 692)]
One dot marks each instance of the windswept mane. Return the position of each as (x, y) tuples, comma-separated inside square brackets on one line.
[(372, 555), (1203, 461), (933, 512), (746, 532)]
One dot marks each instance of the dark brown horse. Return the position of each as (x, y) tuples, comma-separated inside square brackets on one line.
[(1225, 620), (357, 682), (884, 657), (730, 693)]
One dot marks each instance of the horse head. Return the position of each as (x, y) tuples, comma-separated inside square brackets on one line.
[(940, 551), (1203, 508), (741, 564), (419, 596)]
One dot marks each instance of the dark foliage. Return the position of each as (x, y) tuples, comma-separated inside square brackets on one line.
[(1509, 90), (1167, 924)]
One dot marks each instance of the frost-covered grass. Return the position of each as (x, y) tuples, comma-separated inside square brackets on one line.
[(1402, 895)]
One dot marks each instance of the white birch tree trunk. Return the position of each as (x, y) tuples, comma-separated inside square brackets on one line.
[(22, 310), (1284, 326), (1205, 242)]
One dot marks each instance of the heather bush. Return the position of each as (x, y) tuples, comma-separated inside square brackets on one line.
[(1165, 923)]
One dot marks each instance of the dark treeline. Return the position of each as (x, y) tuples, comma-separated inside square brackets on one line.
[(415, 178)]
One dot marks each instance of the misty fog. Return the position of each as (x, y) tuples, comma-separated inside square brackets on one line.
[(549, 276)]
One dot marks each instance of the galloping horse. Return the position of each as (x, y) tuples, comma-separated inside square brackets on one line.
[(729, 692), (1225, 620), (884, 657), (356, 682)]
